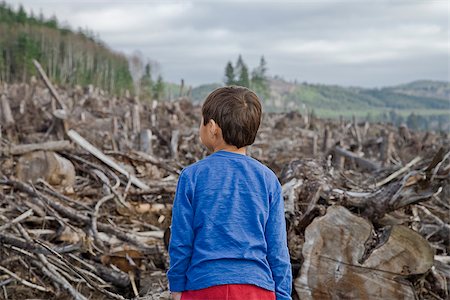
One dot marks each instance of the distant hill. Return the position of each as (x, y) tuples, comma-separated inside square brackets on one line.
[(424, 88), (199, 93), (68, 57), (417, 95), (422, 105)]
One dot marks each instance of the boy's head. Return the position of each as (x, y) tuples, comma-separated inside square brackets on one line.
[(237, 111)]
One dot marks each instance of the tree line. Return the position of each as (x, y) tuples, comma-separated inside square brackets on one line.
[(68, 57), (415, 121), (239, 75)]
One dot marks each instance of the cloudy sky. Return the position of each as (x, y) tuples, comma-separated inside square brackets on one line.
[(367, 43)]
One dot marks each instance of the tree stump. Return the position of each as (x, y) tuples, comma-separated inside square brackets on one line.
[(47, 165), (339, 265)]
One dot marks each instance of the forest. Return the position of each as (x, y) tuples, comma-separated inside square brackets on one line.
[(69, 57)]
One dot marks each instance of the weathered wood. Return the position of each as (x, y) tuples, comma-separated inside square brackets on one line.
[(363, 163), (153, 114), (6, 116), (333, 267), (174, 143), (181, 87), (145, 139), (357, 135), (79, 217), (46, 146), (404, 132), (47, 165), (108, 161), (387, 147), (314, 145), (136, 119), (399, 172), (50, 85), (326, 139)]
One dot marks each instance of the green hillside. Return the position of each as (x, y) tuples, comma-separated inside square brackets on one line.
[(68, 57), (415, 96), (420, 104), (199, 93), (357, 99)]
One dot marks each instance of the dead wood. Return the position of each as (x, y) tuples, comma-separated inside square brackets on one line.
[(395, 180), (46, 146), (333, 250), (50, 85), (364, 164), (6, 117), (97, 153), (47, 165)]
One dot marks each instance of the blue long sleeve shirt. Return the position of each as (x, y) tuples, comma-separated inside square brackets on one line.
[(228, 227)]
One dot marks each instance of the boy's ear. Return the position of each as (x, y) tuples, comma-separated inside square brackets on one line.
[(213, 127)]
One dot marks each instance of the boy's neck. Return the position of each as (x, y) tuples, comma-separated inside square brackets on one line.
[(231, 148)]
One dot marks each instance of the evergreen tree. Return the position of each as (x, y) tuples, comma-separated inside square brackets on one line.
[(241, 72), (146, 83), (259, 82), (238, 66), (244, 79), (158, 89), (21, 15), (230, 77)]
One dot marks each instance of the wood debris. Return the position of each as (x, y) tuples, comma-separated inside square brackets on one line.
[(367, 205)]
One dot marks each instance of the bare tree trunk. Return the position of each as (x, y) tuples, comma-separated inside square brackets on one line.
[(6, 114), (136, 119), (174, 143), (181, 87), (387, 147), (146, 141)]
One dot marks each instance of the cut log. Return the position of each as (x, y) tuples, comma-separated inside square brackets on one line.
[(363, 163), (47, 146), (47, 165), (333, 268)]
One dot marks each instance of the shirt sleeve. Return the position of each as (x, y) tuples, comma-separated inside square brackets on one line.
[(182, 235), (277, 249)]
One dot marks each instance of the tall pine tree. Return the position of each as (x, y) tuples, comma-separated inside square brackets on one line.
[(230, 77), (259, 82), (244, 79), (241, 71)]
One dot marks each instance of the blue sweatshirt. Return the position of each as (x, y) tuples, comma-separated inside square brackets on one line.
[(228, 227)]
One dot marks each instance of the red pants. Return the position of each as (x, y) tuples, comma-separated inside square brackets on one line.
[(229, 292)]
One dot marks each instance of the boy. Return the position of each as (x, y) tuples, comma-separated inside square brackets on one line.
[(228, 230)]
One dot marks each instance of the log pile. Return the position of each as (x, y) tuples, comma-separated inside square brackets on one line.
[(87, 182)]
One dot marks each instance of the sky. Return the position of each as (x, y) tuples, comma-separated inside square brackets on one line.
[(367, 43)]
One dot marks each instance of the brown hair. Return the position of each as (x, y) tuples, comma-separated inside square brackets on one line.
[(237, 111)]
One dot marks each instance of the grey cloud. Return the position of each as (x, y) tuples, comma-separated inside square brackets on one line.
[(348, 42)]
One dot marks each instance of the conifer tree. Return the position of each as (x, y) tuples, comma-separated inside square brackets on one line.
[(244, 79), (230, 77), (146, 83), (158, 89), (259, 82), (241, 71)]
